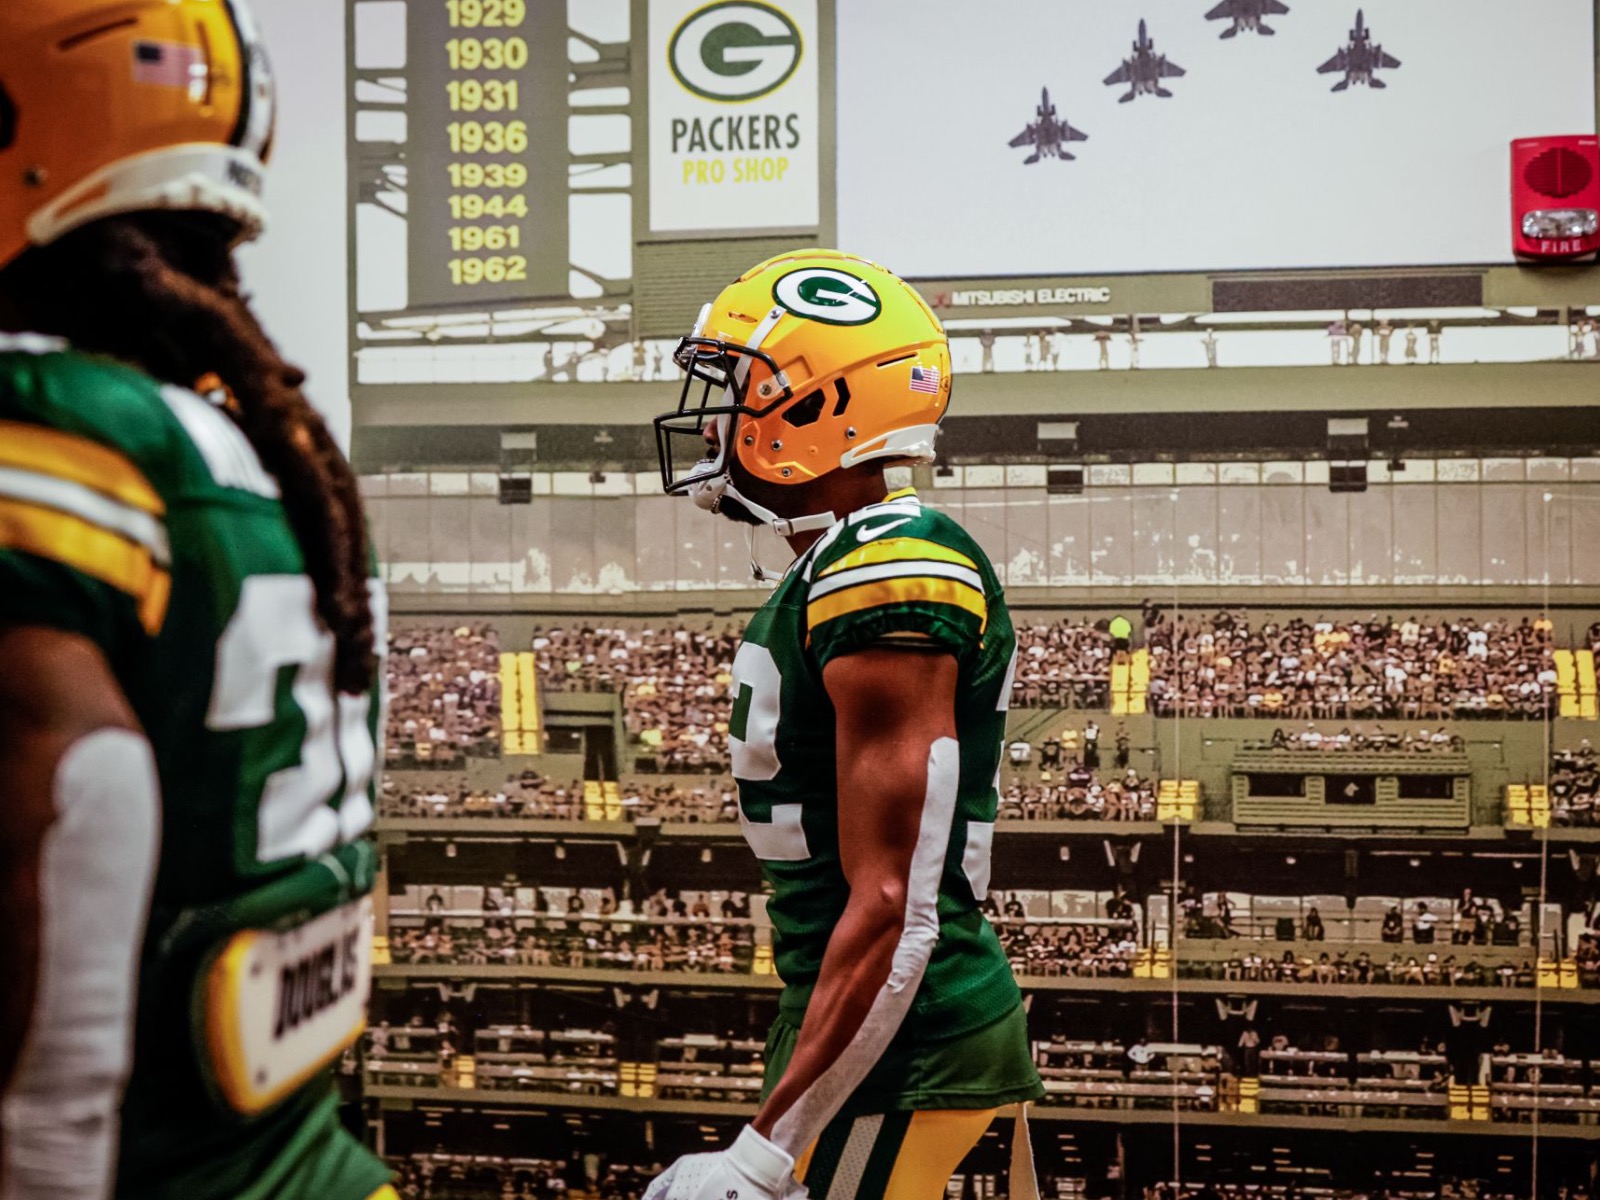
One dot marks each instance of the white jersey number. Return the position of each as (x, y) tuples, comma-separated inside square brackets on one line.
[(753, 735), (275, 627)]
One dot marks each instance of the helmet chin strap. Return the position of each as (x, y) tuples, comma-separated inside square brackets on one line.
[(708, 494)]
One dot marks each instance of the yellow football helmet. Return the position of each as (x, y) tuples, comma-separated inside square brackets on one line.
[(811, 362), (112, 106)]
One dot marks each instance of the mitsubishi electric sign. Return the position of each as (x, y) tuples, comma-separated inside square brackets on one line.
[(733, 115)]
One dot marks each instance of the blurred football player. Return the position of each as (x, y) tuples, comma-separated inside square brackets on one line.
[(188, 641), (869, 706)]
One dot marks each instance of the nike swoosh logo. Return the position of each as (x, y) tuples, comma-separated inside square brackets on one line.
[(868, 532)]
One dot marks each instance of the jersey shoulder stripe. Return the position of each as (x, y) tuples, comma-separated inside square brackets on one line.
[(90, 549), (898, 550), (900, 571), (86, 506), (920, 589), (896, 565), (78, 460), (86, 478)]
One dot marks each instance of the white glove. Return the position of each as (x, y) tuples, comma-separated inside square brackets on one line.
[(750, 1169)]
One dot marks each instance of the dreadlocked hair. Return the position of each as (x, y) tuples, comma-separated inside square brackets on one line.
[(161, 291)]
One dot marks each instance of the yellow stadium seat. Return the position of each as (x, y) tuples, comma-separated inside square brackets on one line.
[(1139, 683), (1587, 701), (637, 1079), (1479, 1095), (529, 698), (1538, 805), (594, 808), (1250, 1094), (508, 692), (1120, 674), (1567, 683), (1517, 804)]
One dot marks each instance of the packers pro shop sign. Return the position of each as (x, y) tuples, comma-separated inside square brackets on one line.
[(733, 115)]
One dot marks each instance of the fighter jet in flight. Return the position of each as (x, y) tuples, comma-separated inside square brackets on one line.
[(1246, 15), (1049, 134), (1360, 60), (1144, 72)]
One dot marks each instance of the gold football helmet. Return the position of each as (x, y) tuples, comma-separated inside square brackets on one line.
[(112, 106), (811, 362)]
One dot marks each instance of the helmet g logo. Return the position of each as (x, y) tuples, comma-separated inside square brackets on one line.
[(734, 50), (832, 297)]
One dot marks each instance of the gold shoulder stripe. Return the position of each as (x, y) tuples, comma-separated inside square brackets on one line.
[(92, 550), (78, 460), (905, 493), (912, 590), (899, 549)]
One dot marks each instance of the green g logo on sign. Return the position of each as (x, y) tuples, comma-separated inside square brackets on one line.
[(832, 297), (734, 50)]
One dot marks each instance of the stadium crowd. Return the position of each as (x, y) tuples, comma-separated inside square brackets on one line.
[(1224, 666), (533, 796), (702, 932), (1063, 664), (673, 683), (444, 694), (1080, 794), (1360, 741), (1053, 950), (1575, 786), (1076, 795)]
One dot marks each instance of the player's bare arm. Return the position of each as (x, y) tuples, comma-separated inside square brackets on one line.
[(893, 707), (75, 776)]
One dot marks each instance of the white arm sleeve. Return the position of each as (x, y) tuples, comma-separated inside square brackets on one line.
[(60, 1114), (817, 1105)]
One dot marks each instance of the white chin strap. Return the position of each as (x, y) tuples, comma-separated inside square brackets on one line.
[(708, 494)]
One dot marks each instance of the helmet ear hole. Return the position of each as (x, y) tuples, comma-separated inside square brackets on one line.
[(807, 411), (8, 119)]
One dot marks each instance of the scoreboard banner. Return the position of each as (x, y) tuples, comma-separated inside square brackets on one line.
[(734, 126), (486, 151)]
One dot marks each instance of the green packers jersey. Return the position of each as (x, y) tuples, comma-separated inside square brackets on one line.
[(138, 516), (891, 572)]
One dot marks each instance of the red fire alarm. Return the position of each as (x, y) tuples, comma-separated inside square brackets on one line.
[(1555, 197)]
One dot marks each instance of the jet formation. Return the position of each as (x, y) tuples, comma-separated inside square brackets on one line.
[(1246, 15), (1144, 72), (1360, 60), (1048, 134)]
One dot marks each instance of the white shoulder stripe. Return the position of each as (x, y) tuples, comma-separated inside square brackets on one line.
[(820, 547), (896, 570), (30, 343), (228, 453), (47, 491), (906, 506)]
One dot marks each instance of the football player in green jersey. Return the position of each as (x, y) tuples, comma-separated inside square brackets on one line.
[(188, 641), (870, 698)]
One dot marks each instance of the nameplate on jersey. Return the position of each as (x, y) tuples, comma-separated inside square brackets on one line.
[(280, 1006)]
